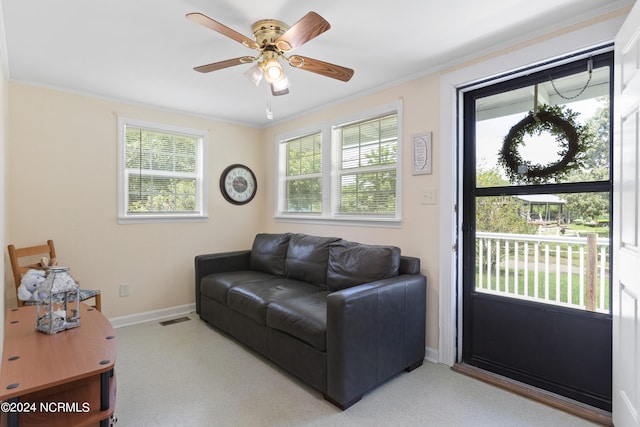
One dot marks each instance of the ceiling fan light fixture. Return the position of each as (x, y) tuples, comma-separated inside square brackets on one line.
[(272, 39), (254, 74), (273, 71), (281, 84)]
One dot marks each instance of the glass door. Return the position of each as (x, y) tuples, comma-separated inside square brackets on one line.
[(537, 207)]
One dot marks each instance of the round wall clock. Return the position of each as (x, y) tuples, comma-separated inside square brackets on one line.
[(238, 184)]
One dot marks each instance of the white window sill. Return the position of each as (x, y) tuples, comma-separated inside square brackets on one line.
[(347, 221), (151, 219)]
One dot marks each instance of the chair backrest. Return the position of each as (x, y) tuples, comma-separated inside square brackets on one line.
[(23, 259)]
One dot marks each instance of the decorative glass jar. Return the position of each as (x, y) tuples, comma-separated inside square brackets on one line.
[(58, 302)]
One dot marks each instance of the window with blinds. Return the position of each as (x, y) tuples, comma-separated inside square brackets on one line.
[(367, 173), (304, 174), (345, 171), (161, 172)]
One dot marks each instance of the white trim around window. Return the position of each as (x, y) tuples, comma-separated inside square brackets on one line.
[(329, 203), (170, 172)]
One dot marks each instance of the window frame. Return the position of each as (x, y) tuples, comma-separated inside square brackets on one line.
[(331, 145), (287, 178), (201, 175)]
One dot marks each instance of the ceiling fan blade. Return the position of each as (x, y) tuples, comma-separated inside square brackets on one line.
[(224, 64), (222, 29), (320, 67), (309, 27)]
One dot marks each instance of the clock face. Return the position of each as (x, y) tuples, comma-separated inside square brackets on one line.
[(238, 184)]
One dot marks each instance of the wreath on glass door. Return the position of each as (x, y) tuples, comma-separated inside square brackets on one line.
[(572, 138)]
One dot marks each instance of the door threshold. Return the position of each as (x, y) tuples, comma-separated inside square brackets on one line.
[(589, 413)]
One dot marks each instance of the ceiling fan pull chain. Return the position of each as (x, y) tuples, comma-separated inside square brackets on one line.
[(589, 69), (269, 110)]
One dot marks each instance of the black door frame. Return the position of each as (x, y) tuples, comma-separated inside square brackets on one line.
[(484, 315)]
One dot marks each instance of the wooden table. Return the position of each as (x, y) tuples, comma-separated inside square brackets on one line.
[(64, 379)]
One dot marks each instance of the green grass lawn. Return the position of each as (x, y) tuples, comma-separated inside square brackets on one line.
[(530, 291), (601, 231)]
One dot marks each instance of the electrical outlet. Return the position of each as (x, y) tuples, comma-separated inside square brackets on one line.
[(124, 289)]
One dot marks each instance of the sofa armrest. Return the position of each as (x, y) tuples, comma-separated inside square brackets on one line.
[(219, 263), (374, 331), (409, 265)]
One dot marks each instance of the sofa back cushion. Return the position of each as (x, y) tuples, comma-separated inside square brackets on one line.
[(269, 253), (307, 258), (352, 264)]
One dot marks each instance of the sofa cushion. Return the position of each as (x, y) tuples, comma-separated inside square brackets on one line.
[(216, 285), (252, 298), (269, 252), (352, 264), (307, 258), (303, 317)]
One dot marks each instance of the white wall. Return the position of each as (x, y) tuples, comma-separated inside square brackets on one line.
[(62, 185)]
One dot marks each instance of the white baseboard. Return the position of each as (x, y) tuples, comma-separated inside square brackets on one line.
[(150, 316), (431, 355)]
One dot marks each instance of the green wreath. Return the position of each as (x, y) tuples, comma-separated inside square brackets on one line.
[(573, 141)]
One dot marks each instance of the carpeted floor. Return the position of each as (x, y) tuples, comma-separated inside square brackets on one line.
[(189, 374)]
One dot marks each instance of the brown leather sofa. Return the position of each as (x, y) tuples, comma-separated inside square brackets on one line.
[(341, 316)]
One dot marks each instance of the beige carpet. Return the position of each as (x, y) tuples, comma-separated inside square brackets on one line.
[(189, 374)]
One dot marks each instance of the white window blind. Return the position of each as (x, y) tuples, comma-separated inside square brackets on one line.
[(367, 172), (161, 173)]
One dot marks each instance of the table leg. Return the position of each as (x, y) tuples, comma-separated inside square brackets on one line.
[(105, 381)]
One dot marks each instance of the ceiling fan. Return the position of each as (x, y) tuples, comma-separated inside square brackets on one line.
[(274, 39)]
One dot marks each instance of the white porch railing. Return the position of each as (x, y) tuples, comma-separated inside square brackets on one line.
[(566, 271)]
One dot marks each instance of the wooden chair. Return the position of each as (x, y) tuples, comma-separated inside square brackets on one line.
[(31, 256)]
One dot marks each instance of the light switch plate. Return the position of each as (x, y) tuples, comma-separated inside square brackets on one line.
[(429, 196)]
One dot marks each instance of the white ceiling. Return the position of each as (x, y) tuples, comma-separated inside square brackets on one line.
[(144, 51)]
